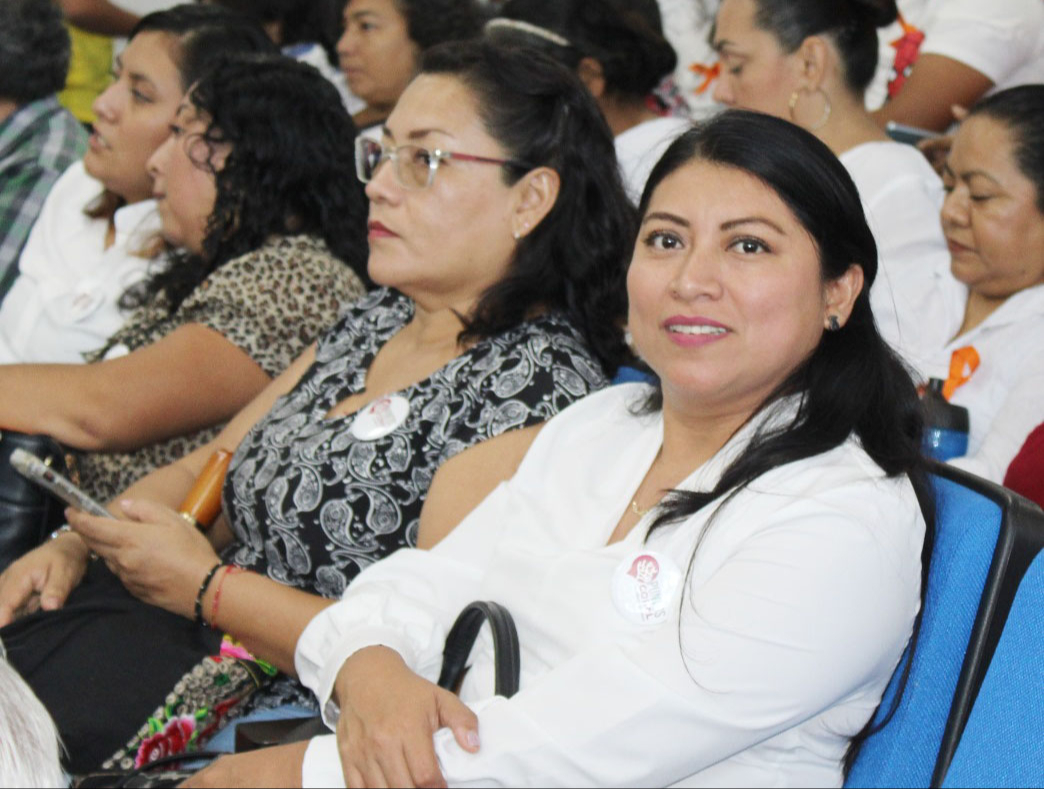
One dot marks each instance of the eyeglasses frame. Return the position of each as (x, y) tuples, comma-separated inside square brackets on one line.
[(437, 157)]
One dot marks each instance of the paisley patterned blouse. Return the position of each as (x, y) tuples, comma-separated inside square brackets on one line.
[(312, 505)]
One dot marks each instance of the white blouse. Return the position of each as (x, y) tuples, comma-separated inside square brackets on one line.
[(639, 149), (1001, 39), (902, 197), (798, 605), (1005, 395), (64, 301)]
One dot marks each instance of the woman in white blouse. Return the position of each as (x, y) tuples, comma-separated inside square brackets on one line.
[(98, 232), (713, 579), (976, 320), (810, 61)]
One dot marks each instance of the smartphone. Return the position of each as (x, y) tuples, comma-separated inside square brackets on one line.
[(911, 135), (34, 469)]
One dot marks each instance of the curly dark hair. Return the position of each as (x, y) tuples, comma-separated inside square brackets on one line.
[(34, 50), (291, 170), (624, 36), (431, 22), (575, 260)]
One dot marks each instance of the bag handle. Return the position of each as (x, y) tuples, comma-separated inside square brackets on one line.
[(462, 637)]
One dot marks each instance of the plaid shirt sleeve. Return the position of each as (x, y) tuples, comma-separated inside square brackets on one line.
[(37, 144)]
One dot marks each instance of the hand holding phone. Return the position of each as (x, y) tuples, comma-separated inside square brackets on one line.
[(911, 135), (35, 470)]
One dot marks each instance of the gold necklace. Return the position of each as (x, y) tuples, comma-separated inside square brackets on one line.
[(638, 510)]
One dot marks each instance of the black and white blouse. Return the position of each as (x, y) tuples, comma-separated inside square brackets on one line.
[(311, 504)]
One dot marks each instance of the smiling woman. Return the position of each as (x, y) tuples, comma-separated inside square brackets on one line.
[(712, 589), (975, 320)]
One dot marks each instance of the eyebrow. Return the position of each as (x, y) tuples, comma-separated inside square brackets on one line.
[(752, 220), (663, 216)]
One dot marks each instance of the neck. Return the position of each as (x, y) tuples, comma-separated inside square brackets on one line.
[(7, 109), (850, 125), (623, 115), (431, 329), (371, 116), (692, 436), (977, 310)]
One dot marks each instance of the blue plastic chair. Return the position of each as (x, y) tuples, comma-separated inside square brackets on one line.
[(1003, 741), (978, 526)]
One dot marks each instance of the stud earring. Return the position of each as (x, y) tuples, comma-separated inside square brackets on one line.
[(834, 323)]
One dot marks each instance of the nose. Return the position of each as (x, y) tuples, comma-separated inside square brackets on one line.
[(384, 187), (955, 207), (723, 90), (106, 106), (346, 43), (697, 277), (159, 158)]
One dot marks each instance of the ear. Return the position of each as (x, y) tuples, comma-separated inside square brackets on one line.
[(537, 194), (814, 57), (841, 294), (592, 75)]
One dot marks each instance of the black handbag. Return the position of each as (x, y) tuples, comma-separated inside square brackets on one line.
[(459, 643), (28, 513)]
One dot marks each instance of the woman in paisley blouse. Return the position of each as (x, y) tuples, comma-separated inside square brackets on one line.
[(269, 228), (500, 230)]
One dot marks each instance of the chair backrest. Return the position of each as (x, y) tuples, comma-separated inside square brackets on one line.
[(1003, 741), (967, 537)]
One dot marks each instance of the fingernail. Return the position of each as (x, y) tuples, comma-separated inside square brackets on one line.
[(125, 503), (472, 739)]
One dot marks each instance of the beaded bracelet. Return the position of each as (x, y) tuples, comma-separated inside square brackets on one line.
[(202, 591)]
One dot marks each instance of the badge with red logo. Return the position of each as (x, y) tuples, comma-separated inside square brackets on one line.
[(645, 586), (380, 418)]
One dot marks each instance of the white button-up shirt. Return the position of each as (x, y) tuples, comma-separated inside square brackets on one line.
[(797, 607), (64, 302)]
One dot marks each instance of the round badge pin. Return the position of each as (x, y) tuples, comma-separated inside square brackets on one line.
[(645, 586), (380, 418)]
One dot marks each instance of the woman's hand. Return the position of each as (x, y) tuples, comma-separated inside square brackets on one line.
[(43, 578), (160, 557), (389, 717), (278, 766), (937, 149)]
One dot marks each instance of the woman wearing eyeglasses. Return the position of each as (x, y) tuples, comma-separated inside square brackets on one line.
[(500, 230)]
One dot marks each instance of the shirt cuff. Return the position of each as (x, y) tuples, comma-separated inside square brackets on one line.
[(321, 767), (324, 647)]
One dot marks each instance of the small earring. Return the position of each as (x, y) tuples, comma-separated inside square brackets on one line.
[(517, 235), (834, 323)]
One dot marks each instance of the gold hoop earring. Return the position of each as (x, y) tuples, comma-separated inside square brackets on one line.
[(827, 108)]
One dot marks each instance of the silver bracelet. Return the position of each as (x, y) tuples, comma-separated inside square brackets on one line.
[(60, 531)]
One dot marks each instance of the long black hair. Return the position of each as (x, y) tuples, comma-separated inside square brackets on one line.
[(432, 22), (34, 50), (575, 260), (290, 170), (624, 36), (1021, 111), (853, 384), (852, 24)]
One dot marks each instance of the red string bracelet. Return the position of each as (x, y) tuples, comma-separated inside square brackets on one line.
[(232, 570)]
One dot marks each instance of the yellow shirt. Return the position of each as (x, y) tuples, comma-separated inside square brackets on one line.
[(89, 70)]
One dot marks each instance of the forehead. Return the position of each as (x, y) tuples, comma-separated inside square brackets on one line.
[(380, 8), (437, 102), (983, 143), (151, 55), (735, 19), (708, 194)]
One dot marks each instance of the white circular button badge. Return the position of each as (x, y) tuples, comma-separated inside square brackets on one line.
[(380, 418), (645, 586)]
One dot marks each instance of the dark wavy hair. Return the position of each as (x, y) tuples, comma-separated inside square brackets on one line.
[(1021, 111), (34, 50), (200, 35), (291, 170), (853, 383), (624, 36), (432, 22), (575, 260), (852, 24)]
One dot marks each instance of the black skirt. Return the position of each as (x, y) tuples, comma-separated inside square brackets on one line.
[(103, 663)]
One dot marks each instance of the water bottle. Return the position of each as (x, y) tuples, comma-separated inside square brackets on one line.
[(946, 424)]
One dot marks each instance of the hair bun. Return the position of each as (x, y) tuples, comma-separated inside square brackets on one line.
[(879, 13)]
